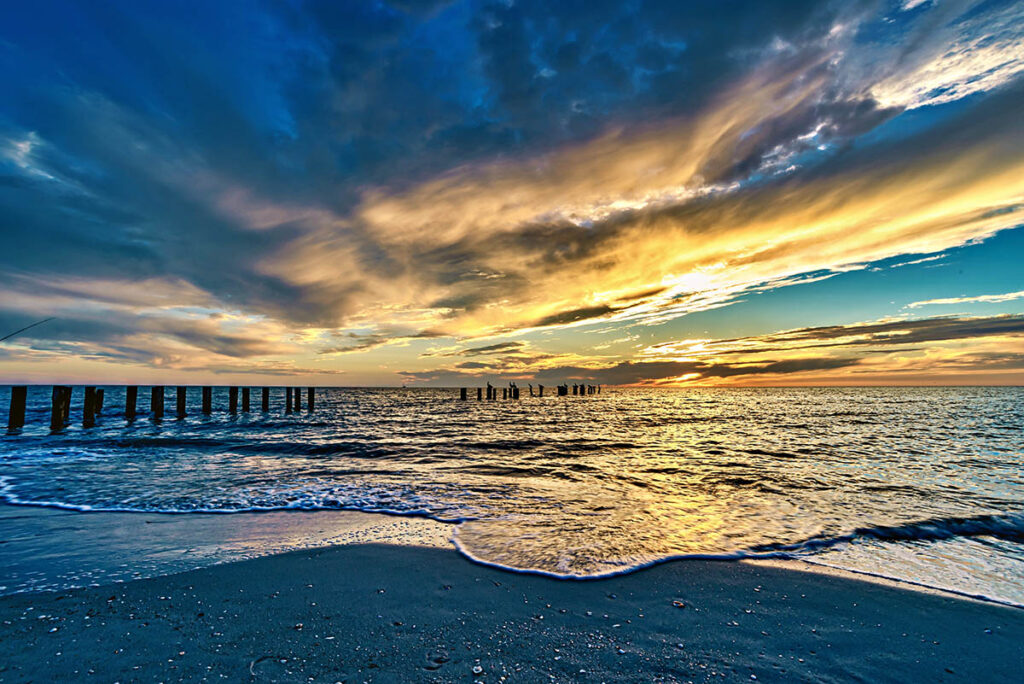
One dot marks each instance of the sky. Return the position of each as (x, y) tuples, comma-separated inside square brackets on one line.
[(430, 192)]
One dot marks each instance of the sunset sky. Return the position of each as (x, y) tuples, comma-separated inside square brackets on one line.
[(442, 193)]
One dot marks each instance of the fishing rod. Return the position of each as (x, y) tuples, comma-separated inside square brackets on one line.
[(25, 328)]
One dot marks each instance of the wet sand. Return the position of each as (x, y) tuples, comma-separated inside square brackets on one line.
[(405, 614)]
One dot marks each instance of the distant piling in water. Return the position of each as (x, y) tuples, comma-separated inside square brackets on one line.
[(156, 403), (265, 400), (232, 400), (180, 400), (207, 400), (16, 416), (89, 407), (60, 407), (287, 399), (131, 395), (245, 400), (310, 399)]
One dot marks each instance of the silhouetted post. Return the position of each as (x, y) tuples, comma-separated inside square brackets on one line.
[(598, 389), (131, 394), (156, 403), (89, 407), (265, 400), (180, 401), (310, 396), (207, 400), (479, 394), (298, 399), (540, 393), (98, 402), (233, 400), (16, 417), (504, 392), (515, 391), (287, 399), (59, 402), (245, 400), (462, 394)]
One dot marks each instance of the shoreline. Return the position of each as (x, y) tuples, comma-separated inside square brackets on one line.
[(377, 612), (260, 534)]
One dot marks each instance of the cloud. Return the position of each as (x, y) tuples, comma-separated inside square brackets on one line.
[(344, 176), (987, 299), (953, 348), (876, 334)]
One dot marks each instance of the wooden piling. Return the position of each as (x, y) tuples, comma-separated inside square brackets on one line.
[(479, 393), (59, 407), (540, 393), (310, 397), (16, 417), (207, 400), (180, 400), (265, 400), (131, 394), (156, 403), (287, 399), (233, 400), (298, 399), (462, 394), (245, 400), (504, 392), (98, 403), (89, 407)]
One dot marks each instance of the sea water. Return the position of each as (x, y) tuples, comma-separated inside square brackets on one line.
[(923, 485)]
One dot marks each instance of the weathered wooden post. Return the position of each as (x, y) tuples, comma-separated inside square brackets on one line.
[(541, 392), (462, 394), (265, 400), (16, 417), (131, 394), (156, 403), (479, 393), (89, 407), (207, 400), (57, 408), (504, 392), (298, 399), (180, 401), (98, 403), (287, 399), (233, 400), (245, 400), (310, 397)]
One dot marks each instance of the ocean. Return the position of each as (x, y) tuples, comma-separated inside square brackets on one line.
[(921, 485)]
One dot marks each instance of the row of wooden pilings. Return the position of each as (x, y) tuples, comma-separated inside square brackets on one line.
[(92, 403), (512, 391)]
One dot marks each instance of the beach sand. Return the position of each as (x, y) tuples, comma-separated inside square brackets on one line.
[(388, 613)]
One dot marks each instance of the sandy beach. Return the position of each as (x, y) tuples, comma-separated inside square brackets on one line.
[(386, 613)]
